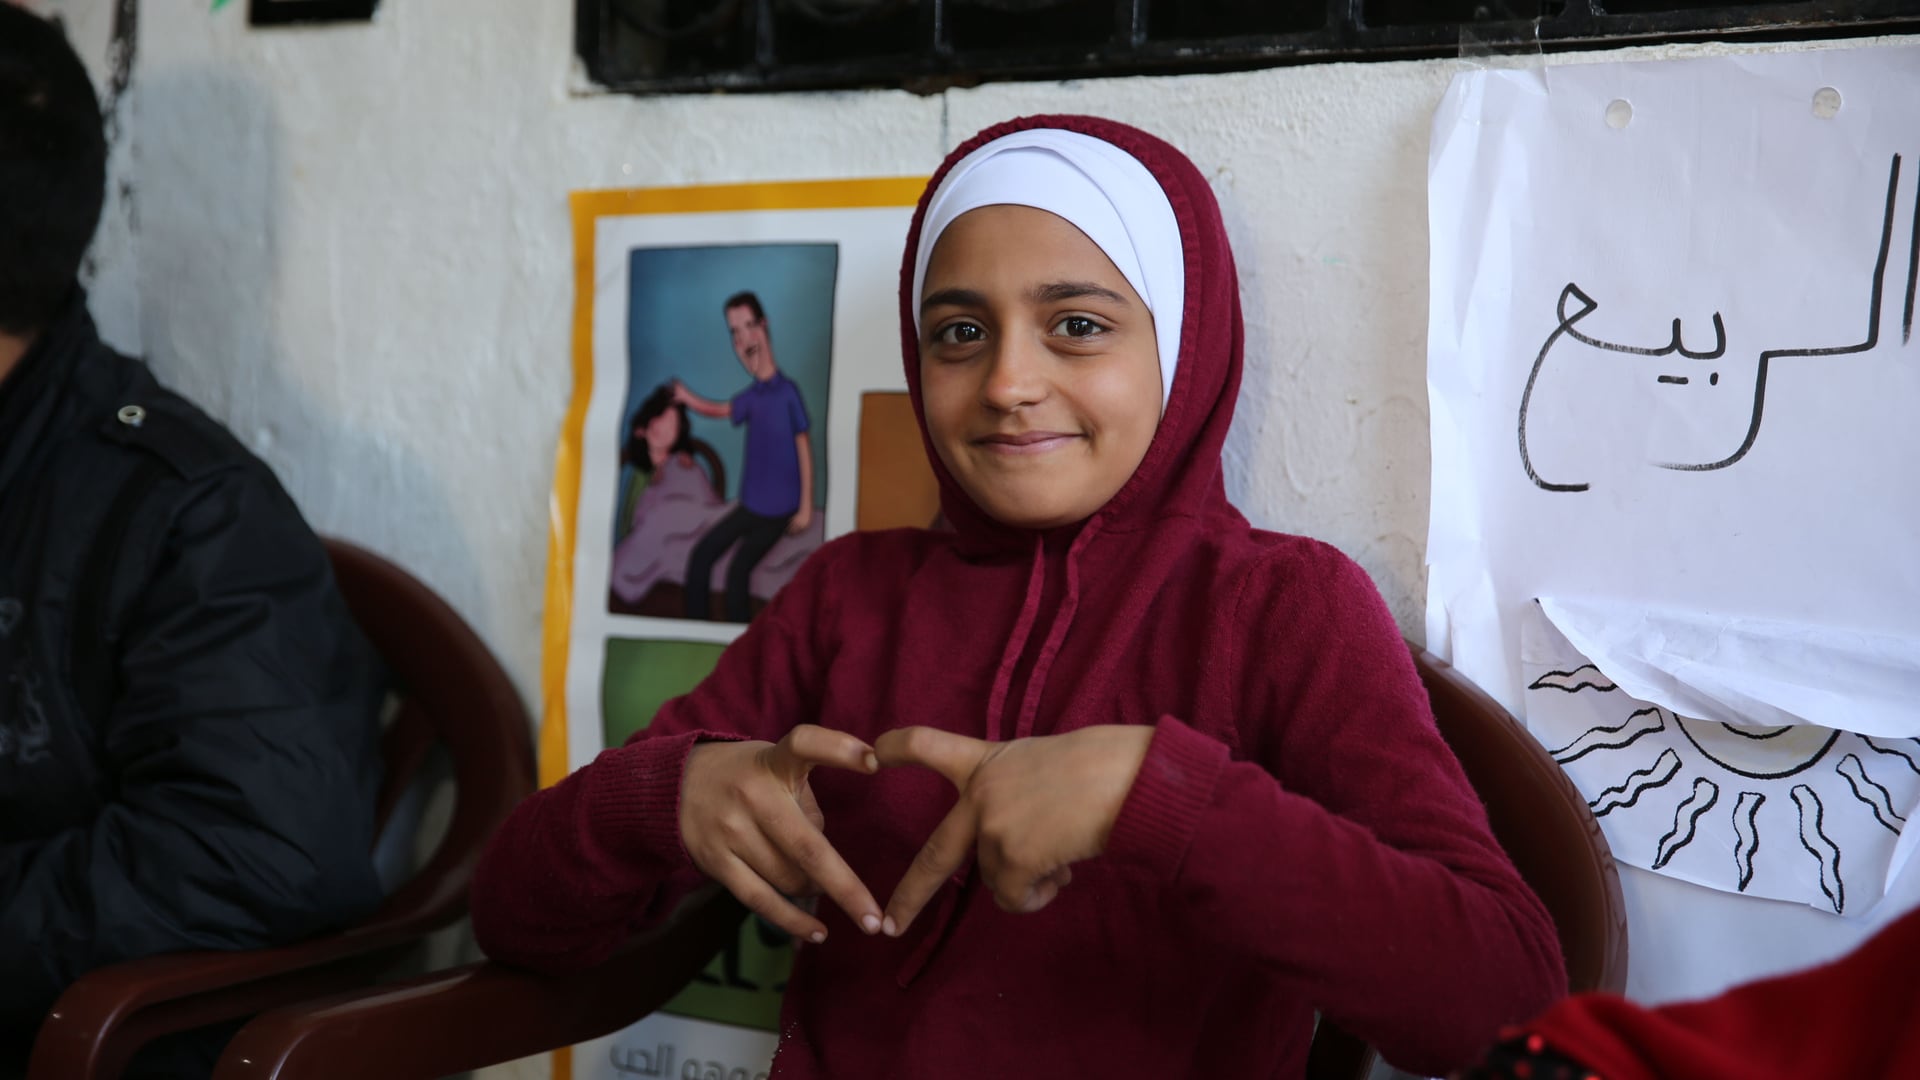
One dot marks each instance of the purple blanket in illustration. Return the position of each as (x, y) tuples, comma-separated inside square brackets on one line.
[(671, 516)]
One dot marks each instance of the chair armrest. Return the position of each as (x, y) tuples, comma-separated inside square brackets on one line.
[(1529, 809), (107, 1015), (481, 1014)]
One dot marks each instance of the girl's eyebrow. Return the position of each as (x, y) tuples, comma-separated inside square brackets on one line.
[(1050, 293), (954, 298), (1073, 290)]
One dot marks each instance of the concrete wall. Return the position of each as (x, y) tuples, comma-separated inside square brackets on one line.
[(353, 245)]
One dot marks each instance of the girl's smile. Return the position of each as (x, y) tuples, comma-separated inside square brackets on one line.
[(1028, 442)]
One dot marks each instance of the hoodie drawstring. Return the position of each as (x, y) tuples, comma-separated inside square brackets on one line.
[(1016, 644), (940, 921), (1056, 633)]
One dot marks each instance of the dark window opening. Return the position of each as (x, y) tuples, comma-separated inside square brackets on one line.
[(1443, 12), (845, 31), (682, 46)]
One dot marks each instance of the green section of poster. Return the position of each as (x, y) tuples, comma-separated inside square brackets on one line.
[(641, 675), (743, 985)]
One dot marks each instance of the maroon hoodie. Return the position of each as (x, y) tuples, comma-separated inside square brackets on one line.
[(1298, 838)]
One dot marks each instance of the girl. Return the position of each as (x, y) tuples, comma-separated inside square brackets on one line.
[(660, 443), (1143, 787)]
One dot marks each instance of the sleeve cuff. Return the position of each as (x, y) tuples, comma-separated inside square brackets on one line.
[(636, 796), (1175, 785)]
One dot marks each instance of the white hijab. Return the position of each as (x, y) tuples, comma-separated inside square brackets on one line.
[(1097, 187)]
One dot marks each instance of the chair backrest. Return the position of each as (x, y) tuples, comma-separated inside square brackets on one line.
[(1541, 820), (453, 693), (1548, 831)]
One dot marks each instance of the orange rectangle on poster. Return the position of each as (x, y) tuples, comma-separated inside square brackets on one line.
[(897, 486)]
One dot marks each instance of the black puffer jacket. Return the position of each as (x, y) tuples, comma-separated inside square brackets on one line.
[(188, 717)]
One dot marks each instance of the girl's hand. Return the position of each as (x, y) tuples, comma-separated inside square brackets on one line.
[(749, 820), (1031, 808)]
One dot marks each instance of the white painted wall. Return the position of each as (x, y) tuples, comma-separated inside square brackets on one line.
[(353, 245)]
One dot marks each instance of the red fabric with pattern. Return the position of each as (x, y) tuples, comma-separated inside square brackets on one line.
[(1856, 1017)]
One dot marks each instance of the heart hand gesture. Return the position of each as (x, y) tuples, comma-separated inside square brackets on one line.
[(1030, 808), (749, 820)]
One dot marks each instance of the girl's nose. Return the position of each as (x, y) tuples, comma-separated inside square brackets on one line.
[(1016, 376)]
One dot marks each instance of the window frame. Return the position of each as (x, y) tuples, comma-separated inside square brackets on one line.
[(1345, 36)]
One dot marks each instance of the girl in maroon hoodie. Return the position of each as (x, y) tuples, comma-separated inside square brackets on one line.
[(1144, 786)]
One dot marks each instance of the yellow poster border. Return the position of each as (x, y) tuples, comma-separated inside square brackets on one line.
[(587, 208)]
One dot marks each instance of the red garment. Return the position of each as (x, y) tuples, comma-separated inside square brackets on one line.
[(1299, 837), (1856, 1017)]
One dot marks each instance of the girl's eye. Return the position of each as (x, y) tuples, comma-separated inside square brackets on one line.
[(960, 333), (1078, 326)]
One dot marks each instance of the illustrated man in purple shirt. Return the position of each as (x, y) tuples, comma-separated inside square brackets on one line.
[(776, 482)]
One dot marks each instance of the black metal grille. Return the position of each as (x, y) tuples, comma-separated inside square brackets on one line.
[(681, 46)]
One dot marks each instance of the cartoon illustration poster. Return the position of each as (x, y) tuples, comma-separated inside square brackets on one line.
[(738, 401), (1673, 378)]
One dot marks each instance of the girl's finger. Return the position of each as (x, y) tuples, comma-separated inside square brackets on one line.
[(773, 867), (1023, 894), (764, 900), (808, 849), (1045, 891), (945, 853), (952, 756), (809, 745)]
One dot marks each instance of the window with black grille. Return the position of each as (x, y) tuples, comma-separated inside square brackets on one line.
[(663, 46)]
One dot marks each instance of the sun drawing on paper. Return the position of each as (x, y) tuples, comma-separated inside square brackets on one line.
[(1792, 812)]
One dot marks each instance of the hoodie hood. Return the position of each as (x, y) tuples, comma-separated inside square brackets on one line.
[(1181, 473)]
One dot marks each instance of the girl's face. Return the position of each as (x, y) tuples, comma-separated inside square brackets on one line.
[(663, 431), (1039, 370)]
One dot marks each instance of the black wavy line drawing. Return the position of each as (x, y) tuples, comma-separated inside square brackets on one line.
[(1637, 783), (1805, 762), (1895, 751), (1877, 798), (1828, 853), (1630, 730), (1598, 683), (1755, 733), (1913, 271), (1565, 327), (1746, 834), (1691, 808)]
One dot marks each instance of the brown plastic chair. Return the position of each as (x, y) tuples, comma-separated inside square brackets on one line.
[(482, 1014), (1548, 831), (452, 692), (487, 1013)]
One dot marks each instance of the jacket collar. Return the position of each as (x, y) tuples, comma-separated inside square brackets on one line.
[(33, 392)]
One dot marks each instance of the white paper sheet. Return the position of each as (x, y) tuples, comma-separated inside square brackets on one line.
[(1793, 812), (1674, 390), (1740, 670)]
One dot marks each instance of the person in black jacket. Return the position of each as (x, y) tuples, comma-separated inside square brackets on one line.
[(188, 716)]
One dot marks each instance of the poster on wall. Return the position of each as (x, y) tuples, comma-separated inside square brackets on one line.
[(1673, 375), (738, 401)]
